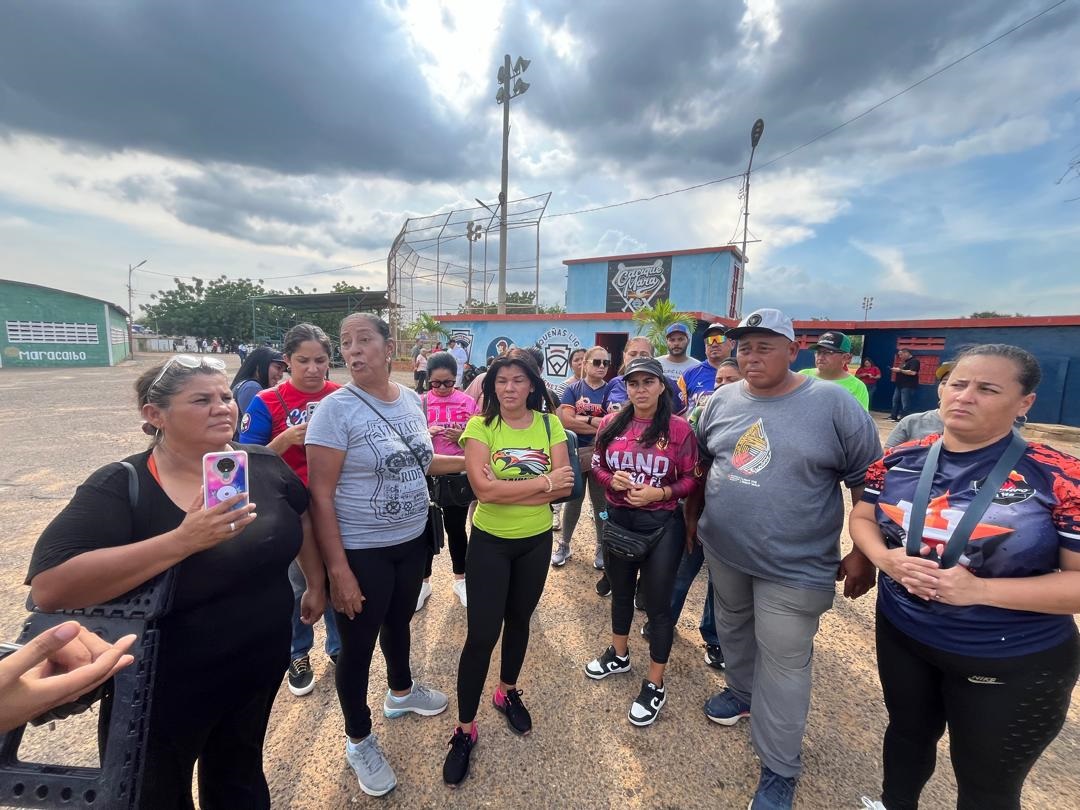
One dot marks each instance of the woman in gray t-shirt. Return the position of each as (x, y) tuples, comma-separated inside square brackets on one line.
[(368, 451)]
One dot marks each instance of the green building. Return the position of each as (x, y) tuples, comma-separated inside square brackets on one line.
[(43, 327)]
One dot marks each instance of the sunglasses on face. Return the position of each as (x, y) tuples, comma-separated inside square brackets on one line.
[(598, 363), (441, 384), (714, 340), (187, 361)]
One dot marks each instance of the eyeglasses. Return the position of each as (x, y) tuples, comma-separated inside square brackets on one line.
[(189, 362), (598, 363), (441, 383), (714, 340)]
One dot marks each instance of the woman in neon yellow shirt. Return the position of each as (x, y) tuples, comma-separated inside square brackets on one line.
[(517, 462)]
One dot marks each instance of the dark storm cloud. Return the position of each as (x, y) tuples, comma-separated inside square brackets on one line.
[(296, 88), (661, 88)]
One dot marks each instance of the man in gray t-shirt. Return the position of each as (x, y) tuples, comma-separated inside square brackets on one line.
[(778, 445)]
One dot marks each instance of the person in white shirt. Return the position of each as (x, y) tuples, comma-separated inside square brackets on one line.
[(461, 355), (677, 362)]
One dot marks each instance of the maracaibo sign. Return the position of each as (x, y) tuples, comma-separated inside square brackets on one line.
[(633, 285)]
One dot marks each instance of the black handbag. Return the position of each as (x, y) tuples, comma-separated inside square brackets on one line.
[(434, 530), (575, 463), (452, 490), (629, 545)]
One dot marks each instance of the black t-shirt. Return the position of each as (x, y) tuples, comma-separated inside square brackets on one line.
[(908, 380), (232, 604)]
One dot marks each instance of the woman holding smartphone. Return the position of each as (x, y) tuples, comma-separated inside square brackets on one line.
[(644, 460), (516, 458), (369, 451), (278, 418), (231, 575)]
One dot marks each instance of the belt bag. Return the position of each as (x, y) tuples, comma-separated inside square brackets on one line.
[(452, 490), (629, 545)]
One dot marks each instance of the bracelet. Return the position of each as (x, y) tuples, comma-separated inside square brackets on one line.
[(550, 486)]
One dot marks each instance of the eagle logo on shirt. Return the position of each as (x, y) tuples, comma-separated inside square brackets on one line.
[(523, 459), (752, 451)]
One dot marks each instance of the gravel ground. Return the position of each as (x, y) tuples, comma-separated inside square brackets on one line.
[(583, 752)]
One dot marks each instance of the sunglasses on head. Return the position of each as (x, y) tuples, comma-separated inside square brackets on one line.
[(714, 340), (441, 384), (598, 363), (189, 362)]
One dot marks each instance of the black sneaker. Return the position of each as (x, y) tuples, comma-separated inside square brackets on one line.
[(646, 708), (645, 631), (456, 765), (301, 677), (607, 664), (517, 716), (603, 586), (714, 656)]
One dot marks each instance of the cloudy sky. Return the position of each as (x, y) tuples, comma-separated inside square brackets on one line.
[(283, 140)]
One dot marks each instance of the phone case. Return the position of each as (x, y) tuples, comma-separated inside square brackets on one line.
[(311, 406), (222, 479)]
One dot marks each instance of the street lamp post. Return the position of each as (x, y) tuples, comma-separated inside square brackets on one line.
[(755, 136), (473, 232), (131, 310), (507, 72)]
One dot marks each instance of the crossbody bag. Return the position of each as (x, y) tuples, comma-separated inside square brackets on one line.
[(452, 490)]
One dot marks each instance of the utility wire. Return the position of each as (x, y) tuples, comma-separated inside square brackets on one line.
[(272, 278), (824, 134)]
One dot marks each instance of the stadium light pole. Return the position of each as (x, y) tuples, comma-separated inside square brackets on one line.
[(755, 137), (867, 305), (131, 311), (473, 232), (506, 73)]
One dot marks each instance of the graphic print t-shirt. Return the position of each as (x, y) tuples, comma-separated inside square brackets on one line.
[(773, 504), (381, 497), (453, 411), (1034, 515), (587, 401), (516, 455), (668, 463), (266, 418), (673, 370), (697, 384)]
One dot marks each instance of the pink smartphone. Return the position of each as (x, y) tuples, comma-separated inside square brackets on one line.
[(225, 475)]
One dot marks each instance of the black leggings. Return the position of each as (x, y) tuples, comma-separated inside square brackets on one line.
[(389, 578), (998, 725), (505, 580), (457, 538), (657, 576)]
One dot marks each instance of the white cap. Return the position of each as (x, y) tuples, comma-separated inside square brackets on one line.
[(764, 320)]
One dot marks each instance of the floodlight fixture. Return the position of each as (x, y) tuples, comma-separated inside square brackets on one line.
[(520, 87), (521, 65)]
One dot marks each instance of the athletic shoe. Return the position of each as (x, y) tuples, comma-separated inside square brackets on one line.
[(774, 792), (598, 558), (603, 586), (725, 708), (646, 708), (368, 761), (561, 554), (459, 589), (333, 658), (714, 656), (870, 804), (517, 716), (556, 517), (301, 676), (425, 592), (421, 700), (639, 600), (607, 664), (645, 631), (456, 765)]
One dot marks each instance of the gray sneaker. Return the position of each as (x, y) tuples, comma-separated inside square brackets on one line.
[(421, 700), (368, 761), (561, 554), (598, 558)]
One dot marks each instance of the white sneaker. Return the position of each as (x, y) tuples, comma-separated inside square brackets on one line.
[(459, 589), (425, 592), (368, 762), (870, 804)]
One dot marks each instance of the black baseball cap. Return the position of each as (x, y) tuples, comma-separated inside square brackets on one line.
[(644, 365)]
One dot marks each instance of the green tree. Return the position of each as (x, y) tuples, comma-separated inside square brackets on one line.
[(517, 301), (989, 313), (219, 308), (652, 321), (425, 326)]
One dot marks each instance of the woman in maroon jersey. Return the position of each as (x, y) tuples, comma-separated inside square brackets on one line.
[(644, 459)]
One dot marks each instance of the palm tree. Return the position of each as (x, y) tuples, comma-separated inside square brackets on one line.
[(427, 326), (653, 320)]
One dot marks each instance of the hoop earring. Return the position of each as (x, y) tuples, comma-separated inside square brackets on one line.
[(1021, 420)]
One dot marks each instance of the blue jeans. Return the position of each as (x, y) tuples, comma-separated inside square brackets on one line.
[(684, 578), (901, 402), (303, 635)]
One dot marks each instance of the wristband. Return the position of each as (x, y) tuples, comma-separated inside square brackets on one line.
[(550, 486)]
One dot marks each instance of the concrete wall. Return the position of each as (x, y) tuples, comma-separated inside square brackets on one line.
[(699, 282), (101, 328)]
